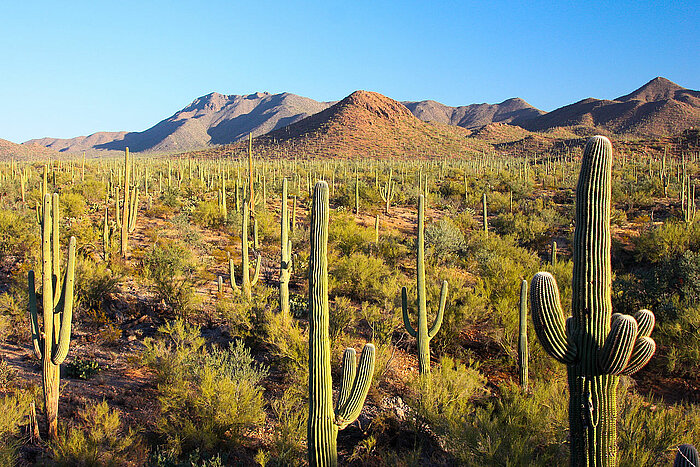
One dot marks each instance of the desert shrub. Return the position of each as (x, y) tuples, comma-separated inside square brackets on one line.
[(73, 205), (18, 234), (82, 368), (94, 284), (342, 314), (173, 269), (514, 429), (98, 438), (348, 237), (649, 431), (14, 408), (444, 239), (363, 278), (13, 315), (667, 241), (207, 214), (207, 399), (289, 345), (291, 412), (501, 265)]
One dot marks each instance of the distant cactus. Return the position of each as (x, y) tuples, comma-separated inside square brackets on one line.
[(246, 282), (324, 423), (423, 335), (51, 345), (596, 345)]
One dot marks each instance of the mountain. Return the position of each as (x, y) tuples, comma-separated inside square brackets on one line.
[(476, 115), (209, 120), (27, 152), (366, 124), (659, 108)]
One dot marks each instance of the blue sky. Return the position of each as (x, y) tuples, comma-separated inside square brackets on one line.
[(73, 68)]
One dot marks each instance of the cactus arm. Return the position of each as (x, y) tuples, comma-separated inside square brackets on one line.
[(548, 318), (441, 311), (349, 372), (37, 339), (66, 307), (616, 352), (404, 307), (348, 412), (232, 276), (256, 276), (642, 352), (645, 322)]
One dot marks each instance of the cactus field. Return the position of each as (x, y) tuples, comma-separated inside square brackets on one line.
[(494, 304)]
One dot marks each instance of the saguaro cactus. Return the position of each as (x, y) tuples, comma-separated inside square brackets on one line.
[(246, 282), (596, 345), (422, 334), (285, 253), (51, 345), (523, 351), (687, 456), (324, 423)]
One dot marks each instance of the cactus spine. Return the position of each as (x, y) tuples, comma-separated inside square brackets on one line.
[(285, 253), (596, 345), (422, 334), (324, 423), (687, 456), (51, 346), (523, 351)]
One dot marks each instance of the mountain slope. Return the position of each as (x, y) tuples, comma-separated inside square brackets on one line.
[(211, 119), (476, 115), (366, 124), (659, 108), (27, 152)]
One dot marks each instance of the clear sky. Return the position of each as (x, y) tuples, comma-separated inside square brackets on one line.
[(71, 68)]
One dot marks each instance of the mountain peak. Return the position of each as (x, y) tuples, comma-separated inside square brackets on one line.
[(376, 104), (655, 90)]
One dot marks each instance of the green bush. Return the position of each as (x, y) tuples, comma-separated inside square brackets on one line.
[(208, 400), (173, 269), (98, 439)]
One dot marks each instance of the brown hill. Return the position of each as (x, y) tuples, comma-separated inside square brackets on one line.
[(25, 152), (367, 124), (475, 115), (659, 108), (209, 120)]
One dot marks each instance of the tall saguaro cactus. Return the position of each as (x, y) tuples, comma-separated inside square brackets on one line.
[(422, 334), (523, 351), (596, 345), (285, 253), (324, 423), (246, 282), (51, 345)]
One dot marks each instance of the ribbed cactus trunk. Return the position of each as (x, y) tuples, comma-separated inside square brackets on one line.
[(125, 206), (324, 423), (523, 351), (285, 253), (422, 334), (596, 345), (51, 346), (592, 403)]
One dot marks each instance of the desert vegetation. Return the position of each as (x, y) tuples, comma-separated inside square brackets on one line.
[(207, 309)]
